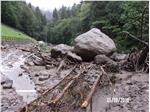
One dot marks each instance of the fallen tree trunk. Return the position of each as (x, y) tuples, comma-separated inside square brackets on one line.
[(66, 88), (82, 70), (89, 97)]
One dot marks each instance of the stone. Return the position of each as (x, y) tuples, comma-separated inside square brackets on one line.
[(36, 75), (92, 43), (41, 43), (60, 49), (43, 76), (74, 57), (20, 74), (48, 67), (7, 84), (38, 62), (29, 63), (118, 57), (101, 59), (104, 60)]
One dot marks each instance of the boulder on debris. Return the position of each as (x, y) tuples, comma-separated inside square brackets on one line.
[(73, 57), (109, 63), (92, 43), (60, 49)]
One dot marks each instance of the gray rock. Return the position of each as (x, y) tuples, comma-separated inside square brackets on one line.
[(41, 42), (36, 75), (20, 74), (74, 57), (118, 57), (29, 63), (92, 43), (102, 59), (6, 83), (48, 67), (38, 62), (110, 64), (43, 76), (60, 49)]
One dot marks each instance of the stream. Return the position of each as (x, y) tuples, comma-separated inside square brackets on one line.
[(23, 85)]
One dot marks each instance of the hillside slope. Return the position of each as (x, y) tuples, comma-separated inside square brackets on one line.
[(9, 33)]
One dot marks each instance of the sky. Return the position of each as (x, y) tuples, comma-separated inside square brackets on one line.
[(51, 4)]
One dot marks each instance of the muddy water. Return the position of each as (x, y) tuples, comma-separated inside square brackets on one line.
[(23, 85)]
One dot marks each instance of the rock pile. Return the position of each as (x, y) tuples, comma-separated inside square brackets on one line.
[(92, 45)]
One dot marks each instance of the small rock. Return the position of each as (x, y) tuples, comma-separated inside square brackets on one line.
[(20, 74), (101, 59), (7, 84), (41, 43), (74, 57), (10, 65), (38, 62), (118, 57), (60, 49), (36, 75), (43, 76), (23, 67), (29, 63), (48, 67), (110, 64)]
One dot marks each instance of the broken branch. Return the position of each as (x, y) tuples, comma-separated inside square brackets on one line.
[(143, 42)]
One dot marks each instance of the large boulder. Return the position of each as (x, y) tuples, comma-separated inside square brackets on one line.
[(92, 43), (60, 49)]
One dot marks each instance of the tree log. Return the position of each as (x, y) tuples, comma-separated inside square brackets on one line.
[(66, 88), (89, 97)]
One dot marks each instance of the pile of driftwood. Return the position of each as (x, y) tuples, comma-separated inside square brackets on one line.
[(75, 90), (138, 60)]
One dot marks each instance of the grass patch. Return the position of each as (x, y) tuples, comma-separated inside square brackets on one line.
[(9, 33)]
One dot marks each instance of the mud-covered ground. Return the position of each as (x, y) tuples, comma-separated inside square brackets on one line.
[(31, 78)]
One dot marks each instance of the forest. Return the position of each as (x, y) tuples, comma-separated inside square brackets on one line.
[(113, 18)]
